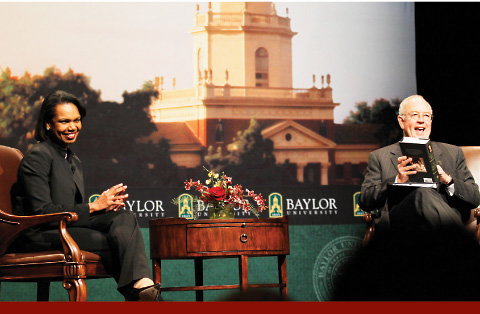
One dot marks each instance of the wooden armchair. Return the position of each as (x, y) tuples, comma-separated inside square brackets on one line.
[(71, 265), (472, 156)]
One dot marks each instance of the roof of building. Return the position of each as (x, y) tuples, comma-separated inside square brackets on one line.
[(309, 137), (177, 133)]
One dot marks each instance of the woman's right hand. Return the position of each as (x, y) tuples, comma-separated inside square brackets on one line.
[(111, 199)]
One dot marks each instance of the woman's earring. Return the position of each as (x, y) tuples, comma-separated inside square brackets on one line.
[(48, 128)]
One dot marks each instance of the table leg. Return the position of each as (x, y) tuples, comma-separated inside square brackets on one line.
[(199, 278), (43, 290), (282, 276), (157, 270), (243, 272)]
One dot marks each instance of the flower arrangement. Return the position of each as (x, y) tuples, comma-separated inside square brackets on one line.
[(223, 196)]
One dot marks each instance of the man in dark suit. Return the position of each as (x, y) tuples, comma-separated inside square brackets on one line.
[(423, 208)]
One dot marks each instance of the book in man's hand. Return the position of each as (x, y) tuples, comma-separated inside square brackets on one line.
[(421, 152)]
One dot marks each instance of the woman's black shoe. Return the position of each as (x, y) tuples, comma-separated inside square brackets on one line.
[(148, 293)]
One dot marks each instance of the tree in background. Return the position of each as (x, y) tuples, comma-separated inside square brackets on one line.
[(163, 171), (17, 115), (249, 159), (111, 140), (382, 112), (107, 144), (21, 98)]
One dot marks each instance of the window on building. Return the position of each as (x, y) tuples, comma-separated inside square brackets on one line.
[(312, 173), (200, 65), (357, 173), (340, 172), (219, 131), (322, 128), (261, 67)]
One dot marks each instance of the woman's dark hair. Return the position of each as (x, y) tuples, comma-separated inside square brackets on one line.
[(47, 112)]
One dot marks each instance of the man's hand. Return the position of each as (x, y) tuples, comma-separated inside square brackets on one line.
[(405, 168), (444, 177)]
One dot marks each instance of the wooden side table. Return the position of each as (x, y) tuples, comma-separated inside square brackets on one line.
[(179, 238)]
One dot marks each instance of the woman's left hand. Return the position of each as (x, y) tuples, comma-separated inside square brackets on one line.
[(111, 199)]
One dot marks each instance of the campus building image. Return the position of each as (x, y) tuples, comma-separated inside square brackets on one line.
[(243, 70)]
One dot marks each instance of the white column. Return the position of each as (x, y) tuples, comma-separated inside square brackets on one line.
[(300, 168), (324, 173)]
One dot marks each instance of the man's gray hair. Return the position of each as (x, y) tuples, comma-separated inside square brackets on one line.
[(410, 99)]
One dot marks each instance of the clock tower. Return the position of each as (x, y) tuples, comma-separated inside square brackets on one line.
[(242, 53), (244, 43)]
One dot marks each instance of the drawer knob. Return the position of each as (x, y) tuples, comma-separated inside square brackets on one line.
[(243, 238)]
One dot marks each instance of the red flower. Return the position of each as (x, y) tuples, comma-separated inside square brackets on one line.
[(223, 193), (214, 194)]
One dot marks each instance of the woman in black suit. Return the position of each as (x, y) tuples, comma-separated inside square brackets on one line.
[(50, 180)]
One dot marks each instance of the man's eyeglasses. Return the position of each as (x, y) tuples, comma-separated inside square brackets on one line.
[(416, 116)]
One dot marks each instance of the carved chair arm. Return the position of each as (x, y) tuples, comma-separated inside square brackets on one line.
[(12, 226), (370, 222), (476, 214)]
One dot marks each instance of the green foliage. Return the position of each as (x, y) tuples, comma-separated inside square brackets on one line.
[(17, 109), (21, 98), (249, 159), (382, 112), (148, 86), (107, 144), (361, 115)]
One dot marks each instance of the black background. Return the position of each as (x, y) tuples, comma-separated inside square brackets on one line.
[(448, 68)]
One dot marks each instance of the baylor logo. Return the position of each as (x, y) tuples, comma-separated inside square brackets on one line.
[(329, 263), (275, 205), (185, 206), (357, 211)]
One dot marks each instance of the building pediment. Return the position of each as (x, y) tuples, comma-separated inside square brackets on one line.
[(292, 135)]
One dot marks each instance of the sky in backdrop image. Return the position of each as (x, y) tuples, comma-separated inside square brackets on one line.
[(367, 48)]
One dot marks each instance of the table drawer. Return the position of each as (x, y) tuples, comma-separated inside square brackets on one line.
[(237, 238)]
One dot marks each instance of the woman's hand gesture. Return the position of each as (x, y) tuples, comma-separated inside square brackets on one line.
[(111, 199)]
